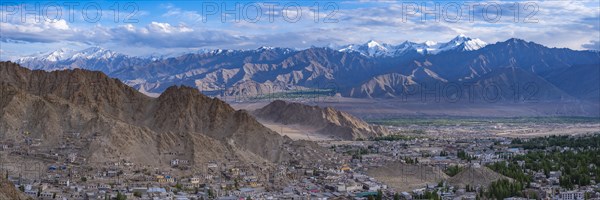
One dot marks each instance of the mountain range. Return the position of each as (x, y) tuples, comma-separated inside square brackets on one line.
[(463, 68)]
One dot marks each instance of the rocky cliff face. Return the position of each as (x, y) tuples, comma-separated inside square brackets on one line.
[(116, 122), (327, 121)]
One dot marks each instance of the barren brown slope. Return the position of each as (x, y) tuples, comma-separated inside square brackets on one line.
[(116, 122), (475, 176), (8, 191), (327, 121), (405, 177)]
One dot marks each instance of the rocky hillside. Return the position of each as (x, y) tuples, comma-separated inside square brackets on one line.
[(406, 177), (475, 176), (116, 122), (8, 191), (327, 121)]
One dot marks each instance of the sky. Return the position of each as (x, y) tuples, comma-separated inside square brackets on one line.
[(142, 28)]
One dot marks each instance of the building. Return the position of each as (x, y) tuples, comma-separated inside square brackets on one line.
[(570, 196)]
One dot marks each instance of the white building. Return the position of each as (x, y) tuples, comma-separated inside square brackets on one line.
[(570, 196)]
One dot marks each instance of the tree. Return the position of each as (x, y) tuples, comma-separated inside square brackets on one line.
[(503, 189), (379, 195), (137, 194), (587, 196), (453, 170), (211, 194), (121, 196), (396, 196), (443, 153)]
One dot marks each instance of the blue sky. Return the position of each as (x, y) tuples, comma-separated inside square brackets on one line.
[(159, 27)]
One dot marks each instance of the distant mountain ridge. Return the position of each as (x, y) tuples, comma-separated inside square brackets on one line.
[(370, 70)]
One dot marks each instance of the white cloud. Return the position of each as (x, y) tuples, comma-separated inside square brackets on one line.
[(593, 45), (560, 24)]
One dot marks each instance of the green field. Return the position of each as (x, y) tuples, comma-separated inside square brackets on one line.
[(464, 121)]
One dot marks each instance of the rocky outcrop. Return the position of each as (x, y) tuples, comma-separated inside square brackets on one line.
[(475, 176), (327, 121), (8, 191)]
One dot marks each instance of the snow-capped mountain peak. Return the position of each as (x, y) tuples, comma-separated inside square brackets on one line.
[(464, 43), (373, 48), (266, 48), (373, 44), (94, 52), (59, 54), (370, 48), (430, 43), (65, 54)]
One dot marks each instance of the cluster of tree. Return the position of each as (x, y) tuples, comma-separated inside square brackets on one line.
[(357, 154), (469, 188), (502, 189), (379, 196), (119, 196), (393, 137), (453, 170), (577, 167), (512, 170), (443, 153), (211, 194), (559, 141), (431, 195), (409, 160), (464, 155), (577, 158)]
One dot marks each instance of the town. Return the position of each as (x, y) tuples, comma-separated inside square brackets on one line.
[(408, 166)]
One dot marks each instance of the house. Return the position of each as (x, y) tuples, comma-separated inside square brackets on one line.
[(572, 195), (353, 187), (161, 179), (64, 182), (31, 193), (111, 173), (194, 180), (341, 187), (46, 195), (170, 179), (247, 191), (555, 174), (212, 165), (174, 162), (104, 187)]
